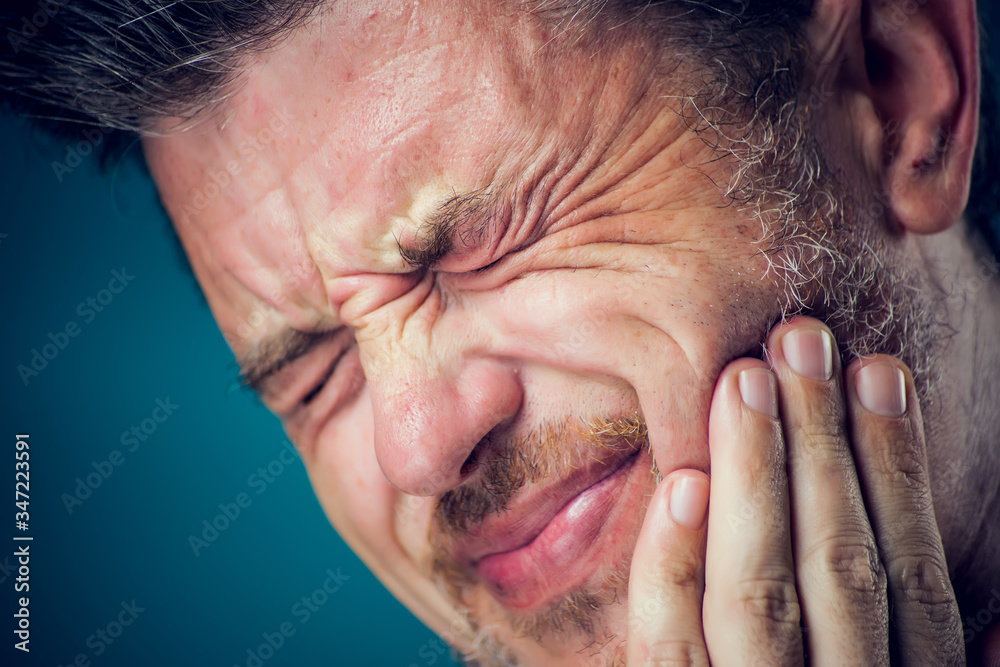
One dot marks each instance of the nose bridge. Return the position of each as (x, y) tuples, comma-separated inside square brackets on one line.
[(434, 398)]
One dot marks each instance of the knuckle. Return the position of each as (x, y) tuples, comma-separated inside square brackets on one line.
[(920, 586), (767, 611), (774, 603), (901, 463), (854, 565), (675, 574)]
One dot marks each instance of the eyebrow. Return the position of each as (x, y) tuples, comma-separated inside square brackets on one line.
[(467, 218), (274, 353)]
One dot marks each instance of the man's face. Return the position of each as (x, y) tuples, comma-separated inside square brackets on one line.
[(510, 262)]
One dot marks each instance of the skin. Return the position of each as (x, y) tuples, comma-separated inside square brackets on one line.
[(617, 283)]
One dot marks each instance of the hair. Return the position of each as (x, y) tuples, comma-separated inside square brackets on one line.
[(123, 64)]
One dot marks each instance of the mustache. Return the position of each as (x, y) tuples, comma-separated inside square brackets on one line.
[(544, 453), (550, 452)]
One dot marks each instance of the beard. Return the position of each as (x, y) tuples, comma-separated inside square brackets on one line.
[(508, 465), (836, 261)]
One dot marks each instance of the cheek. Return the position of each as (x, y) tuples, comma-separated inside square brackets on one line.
[(667, 332), (349, 484), (382, 526), (685, 315)]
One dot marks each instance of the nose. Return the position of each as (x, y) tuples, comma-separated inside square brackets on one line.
[(435, 393), (428, 421)]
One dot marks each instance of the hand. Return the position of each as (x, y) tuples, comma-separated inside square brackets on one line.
[(820, 544)]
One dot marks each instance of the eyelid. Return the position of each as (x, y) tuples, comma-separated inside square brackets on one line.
[(318, 387), (285, 389)]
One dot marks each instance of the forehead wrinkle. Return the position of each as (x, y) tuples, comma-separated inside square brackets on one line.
[(347, 221), (281, 272), (309, 198)]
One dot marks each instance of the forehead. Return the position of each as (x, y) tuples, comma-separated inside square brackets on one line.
[(340, 141)]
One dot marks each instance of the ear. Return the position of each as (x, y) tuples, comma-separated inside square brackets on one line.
[(922, 66)]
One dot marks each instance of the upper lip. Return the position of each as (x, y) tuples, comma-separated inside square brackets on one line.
[(530, 513)]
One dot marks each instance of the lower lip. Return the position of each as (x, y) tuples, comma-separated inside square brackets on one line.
[(564, 553)]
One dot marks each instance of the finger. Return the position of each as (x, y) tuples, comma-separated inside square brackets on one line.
[(751, 612), (841, 581), (667, 578), (888, 440)]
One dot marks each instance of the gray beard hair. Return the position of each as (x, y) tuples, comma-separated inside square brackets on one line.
[(831, 253), (872, 304), (840, 267)]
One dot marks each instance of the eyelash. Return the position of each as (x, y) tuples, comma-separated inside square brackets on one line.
[(484, 269), (315, 391)]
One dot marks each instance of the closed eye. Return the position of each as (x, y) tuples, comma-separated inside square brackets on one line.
[(484, 269), (314, 392)]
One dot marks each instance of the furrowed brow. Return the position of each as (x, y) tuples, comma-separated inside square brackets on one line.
[(464, 218), (272, 354)]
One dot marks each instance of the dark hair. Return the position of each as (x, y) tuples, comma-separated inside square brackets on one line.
[(121, 64)]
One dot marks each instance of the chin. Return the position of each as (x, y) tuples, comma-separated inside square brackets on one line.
[(502, 644)]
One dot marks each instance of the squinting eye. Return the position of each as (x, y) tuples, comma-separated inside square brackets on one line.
[(330, 372), (489, 266), (314, 392)]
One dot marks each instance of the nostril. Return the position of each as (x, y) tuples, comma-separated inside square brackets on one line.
[(471, 463), (483, 449), (440, 431)]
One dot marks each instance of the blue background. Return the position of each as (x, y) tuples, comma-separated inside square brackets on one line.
[(129, 540), (62, 233)]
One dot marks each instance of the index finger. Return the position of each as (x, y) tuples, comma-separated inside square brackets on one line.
[(667, 577)]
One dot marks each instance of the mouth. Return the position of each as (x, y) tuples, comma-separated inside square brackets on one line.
[(556, 539)]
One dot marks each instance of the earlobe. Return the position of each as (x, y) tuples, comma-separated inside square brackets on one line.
[(922, 64)]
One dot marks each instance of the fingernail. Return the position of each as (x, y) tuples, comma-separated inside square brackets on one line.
[(758, 389), (881, 388), (809, 352), (689, 501)]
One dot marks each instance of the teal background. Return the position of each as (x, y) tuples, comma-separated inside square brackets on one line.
[(129, 540), (59, 242)]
